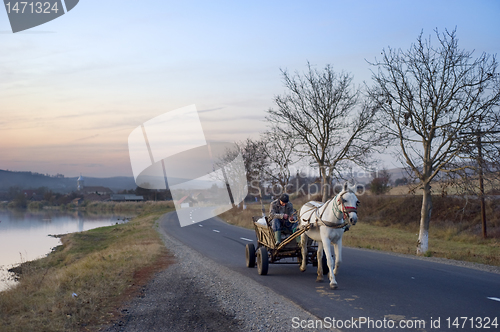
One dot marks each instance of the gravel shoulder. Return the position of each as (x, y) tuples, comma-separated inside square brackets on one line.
[(197, 294)]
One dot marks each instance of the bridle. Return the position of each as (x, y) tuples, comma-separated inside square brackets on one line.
[(344, 212)]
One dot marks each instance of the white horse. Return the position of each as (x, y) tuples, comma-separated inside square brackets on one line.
[(329, 221)]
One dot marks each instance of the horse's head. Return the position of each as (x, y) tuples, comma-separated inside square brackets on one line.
[(348, 203)]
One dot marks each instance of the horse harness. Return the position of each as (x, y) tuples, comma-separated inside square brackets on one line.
[(344, 212)]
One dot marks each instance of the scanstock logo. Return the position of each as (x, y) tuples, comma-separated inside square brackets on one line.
[(25, 15), (204, 177)]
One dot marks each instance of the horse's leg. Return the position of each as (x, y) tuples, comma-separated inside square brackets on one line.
[(319, 278), (338, 255), (303, 244), (328, 252)]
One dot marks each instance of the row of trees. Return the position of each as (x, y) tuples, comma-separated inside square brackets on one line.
[(437, 107), (18, 198)]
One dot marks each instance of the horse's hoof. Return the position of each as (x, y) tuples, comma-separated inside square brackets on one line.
[(302, 269), (333, 286), (319, 279)]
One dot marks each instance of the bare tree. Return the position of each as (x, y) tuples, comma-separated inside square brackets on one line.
[(256, 163), (223, 155), (279, 150), (426, 97), (321, 110)]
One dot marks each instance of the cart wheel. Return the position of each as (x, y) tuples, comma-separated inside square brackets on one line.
[(262, 261), (324, 263), (250, 255)]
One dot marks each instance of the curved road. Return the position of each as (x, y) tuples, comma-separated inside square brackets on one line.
[(373, 286)]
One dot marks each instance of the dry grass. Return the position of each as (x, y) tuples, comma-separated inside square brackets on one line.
[(491, 187), (126, 206), (242, 218), (452, 218), (80, 284), (391, 223), (392, 239)]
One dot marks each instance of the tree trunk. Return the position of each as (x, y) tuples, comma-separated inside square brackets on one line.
[(325, 186), (425, 217)]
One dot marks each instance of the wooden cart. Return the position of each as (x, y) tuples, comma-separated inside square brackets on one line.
[(288, 251)]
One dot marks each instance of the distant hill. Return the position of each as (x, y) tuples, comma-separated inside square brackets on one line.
[(116, 183), (59, 183)]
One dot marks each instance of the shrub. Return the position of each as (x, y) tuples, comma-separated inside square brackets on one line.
[(35, 205), (380, 183)]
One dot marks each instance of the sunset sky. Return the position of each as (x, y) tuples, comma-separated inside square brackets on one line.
[(73, 89)]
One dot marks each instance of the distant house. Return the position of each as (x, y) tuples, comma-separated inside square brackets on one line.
[(96, 190), (77, 201), (126, 198), (31, 195), (185, 201), (96, 197), (199, 196)]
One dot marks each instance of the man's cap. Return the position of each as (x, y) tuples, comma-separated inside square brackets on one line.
[(284, 198)]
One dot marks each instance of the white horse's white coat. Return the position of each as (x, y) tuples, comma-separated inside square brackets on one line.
[(328, 213)]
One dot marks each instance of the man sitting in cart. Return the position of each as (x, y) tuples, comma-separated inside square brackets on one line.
[(281, 212)]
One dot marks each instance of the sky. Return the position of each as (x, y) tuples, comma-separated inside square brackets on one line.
[(73, 89)]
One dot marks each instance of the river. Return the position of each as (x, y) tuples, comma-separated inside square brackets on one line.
[(24, 235)]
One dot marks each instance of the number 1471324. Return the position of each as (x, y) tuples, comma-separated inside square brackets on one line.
[(472, 322), (31, 7)]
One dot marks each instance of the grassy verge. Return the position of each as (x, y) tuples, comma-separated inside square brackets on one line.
[(469, 248), (391, 223), (79, 286)]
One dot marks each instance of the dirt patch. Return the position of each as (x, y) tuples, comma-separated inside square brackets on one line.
[(173, 301), (138, 286)]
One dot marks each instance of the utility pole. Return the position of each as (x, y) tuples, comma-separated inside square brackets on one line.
[(479, 160), (481, 183)]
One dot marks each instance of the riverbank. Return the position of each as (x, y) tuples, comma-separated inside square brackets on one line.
[(82, 282), (98, 207)]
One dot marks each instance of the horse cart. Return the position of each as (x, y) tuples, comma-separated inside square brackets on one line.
[(288, 251)]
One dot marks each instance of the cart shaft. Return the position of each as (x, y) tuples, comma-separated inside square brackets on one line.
[(293, 237)]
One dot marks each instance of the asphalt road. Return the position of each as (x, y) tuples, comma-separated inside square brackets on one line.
[(375, 290)]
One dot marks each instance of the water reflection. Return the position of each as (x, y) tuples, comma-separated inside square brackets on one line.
[(24, 235)]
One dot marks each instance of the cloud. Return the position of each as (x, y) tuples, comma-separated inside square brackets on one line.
[(85, 138), (75, 115), (236, 119), (84, 165), (210, 110)]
